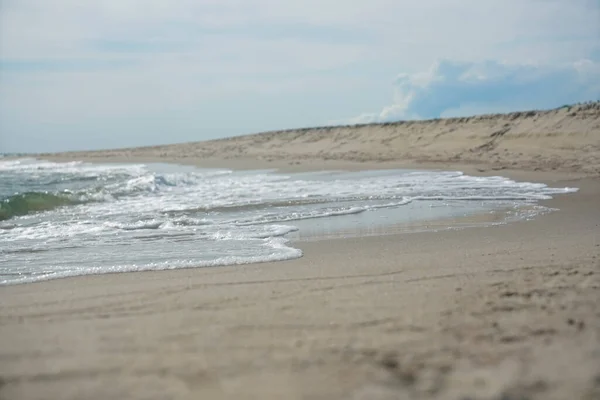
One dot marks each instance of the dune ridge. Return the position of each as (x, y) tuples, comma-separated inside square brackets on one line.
[(565, 139)]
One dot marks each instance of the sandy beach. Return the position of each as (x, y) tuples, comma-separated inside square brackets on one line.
[(503, 312)]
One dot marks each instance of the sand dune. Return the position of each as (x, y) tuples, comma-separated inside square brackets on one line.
[(565, 139)]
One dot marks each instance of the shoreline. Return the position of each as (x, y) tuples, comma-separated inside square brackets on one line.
[(475, 219), (482, 312), (435, 225)]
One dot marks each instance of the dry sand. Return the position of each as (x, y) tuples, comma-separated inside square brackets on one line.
[(506, 312)]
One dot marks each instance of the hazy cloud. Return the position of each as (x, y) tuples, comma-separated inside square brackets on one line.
[(451, 88)]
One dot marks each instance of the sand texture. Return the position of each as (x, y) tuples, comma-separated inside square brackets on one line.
[(566, 139)]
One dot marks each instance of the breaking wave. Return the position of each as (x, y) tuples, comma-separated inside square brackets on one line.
[(26, 203)]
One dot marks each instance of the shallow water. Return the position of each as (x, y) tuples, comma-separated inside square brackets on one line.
[(67, 219)]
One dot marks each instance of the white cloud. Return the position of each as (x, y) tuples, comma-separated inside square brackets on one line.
[(451, 88)]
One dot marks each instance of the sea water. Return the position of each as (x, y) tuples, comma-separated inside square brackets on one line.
[(68, 219)]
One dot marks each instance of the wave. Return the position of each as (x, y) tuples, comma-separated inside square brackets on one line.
[(297, 216), (274, 249), (30, 202), (36, 201), (134, 226)]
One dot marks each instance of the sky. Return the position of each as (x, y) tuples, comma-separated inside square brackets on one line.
[(98, 74)]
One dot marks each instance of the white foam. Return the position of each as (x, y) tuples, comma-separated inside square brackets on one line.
[(139, 225), (277, 251), (74, 167), (298, 216)]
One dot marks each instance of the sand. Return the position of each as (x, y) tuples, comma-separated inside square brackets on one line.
[(504, 312)]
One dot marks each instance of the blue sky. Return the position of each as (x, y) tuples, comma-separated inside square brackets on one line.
[(98, 74)]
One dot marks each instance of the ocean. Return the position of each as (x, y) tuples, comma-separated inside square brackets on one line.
[(68, 219)]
